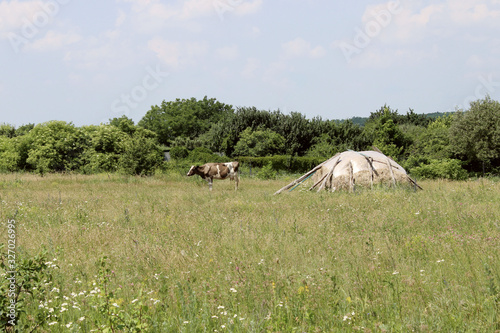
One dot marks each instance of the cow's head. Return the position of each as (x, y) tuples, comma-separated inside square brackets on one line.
[(191, 171)]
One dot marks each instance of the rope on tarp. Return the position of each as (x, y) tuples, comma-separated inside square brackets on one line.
[(293, 188)]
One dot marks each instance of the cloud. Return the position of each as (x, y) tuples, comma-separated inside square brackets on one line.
[(227, 52), (154, 14), (404, 32), (177, 54), (15, 14), (54, 40), (248, 7), (275, 75), (166, 51), (251, 68), (442, 19), (299, 48), (468, 12)]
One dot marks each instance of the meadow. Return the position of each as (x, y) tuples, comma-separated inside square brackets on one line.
[(112, 253)]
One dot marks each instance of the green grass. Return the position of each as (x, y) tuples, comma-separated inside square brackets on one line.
[(247, 261)]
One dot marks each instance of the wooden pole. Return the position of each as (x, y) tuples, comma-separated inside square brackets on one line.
[(389, 165), (299, 180)]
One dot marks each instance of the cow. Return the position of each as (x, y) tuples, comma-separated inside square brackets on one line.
[(210, 171)]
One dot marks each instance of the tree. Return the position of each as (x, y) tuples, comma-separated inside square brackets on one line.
[(185, 118), (9, 155), (124, 123), (7, 130), (297, 131), (55, 146), (475, 134), (142, 154), (340, 136), (106, 143), (385, 134), (24, 129), (434, 141), (263, 142)]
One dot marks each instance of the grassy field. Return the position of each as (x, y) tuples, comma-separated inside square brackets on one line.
[(162, 254)]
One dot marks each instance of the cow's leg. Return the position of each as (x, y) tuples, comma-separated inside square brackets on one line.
[(210, 182), (236, 180)]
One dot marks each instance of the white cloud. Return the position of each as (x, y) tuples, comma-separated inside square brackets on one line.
[(122, 16), (248, 7), (301, 48), (255, 32), (403, 32), (443, 19), (54, 40), (275, 75), (166, 51), (227, 53), (154, 14), (196, 8), (176, 54), (15, 14), (467, 12), (251, 68)]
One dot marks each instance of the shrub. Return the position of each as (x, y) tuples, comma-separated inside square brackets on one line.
[(142, 155), (178, 153), (204, 155), (447, 169), (55, 146), (267, 172), (9, 155), (287, 163)]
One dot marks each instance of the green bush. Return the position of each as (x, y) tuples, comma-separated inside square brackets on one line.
[(9, 155), (445, 169), (203, 155), (292, 164), (178, 153), (267, 172), (142, 155), (55, 146)]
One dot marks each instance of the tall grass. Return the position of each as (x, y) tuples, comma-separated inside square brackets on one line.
[(384, 260)]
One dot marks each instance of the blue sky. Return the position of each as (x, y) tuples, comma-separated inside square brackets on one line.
[(88, 61)]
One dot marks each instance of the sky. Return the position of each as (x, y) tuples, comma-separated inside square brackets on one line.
[(88, 61)]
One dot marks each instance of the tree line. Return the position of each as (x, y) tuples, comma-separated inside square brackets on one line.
[(451, 146)]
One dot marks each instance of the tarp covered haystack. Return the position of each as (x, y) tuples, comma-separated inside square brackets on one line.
[(351, 168)]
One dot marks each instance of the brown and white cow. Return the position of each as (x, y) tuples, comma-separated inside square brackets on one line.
[(210, 171)]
